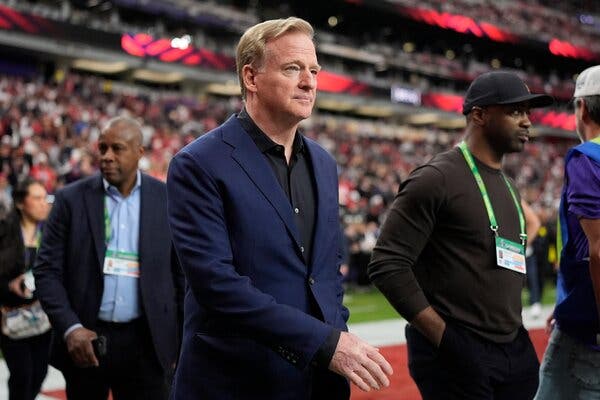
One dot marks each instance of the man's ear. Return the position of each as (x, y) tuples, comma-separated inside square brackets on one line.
[(478, 116), (585, 114), (249, 78)]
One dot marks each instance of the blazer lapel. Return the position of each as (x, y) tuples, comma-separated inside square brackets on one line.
[(325, 201), (94, 206), (147, 229), (247, 155)]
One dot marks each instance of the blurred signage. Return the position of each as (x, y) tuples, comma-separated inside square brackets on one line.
[(453, 103), (459, 23), (143, 45), (336, 83), (560, 120), (13, 20), (566, 49), (400, 94), (443, 101), (466, 25)]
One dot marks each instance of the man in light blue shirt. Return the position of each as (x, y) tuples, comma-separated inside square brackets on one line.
[(109, 280), (120, 301)]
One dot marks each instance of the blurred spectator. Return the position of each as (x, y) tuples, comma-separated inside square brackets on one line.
[(5, 196), (43, 172), (25, 337)]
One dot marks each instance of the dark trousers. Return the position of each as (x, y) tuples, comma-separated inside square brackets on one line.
[(534, 281), (468, 367), (27, 361), (327, 385), (130, 368)]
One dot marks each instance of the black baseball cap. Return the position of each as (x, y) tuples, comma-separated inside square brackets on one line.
[(501, 87)]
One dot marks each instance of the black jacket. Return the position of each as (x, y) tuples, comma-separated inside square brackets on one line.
[(12, 259), (68, 269)]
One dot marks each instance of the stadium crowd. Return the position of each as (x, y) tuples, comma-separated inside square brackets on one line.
[(48, 130), (416, 65), (538, 20), (546, 20)]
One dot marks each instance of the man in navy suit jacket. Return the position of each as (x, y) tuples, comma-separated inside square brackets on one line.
[(253, 210), (106, 268)]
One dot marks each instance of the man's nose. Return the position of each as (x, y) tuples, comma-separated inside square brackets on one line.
[(107, 155), (308, 80)]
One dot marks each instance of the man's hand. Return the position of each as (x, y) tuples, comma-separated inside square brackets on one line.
[(360, 362), (79, 345), (430, 324), (17, 287)]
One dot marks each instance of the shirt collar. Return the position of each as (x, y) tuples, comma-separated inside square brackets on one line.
[(111, 190), (262, 141)]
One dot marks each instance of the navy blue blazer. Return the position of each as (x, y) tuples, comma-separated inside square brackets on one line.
[(68, 269), (255, 312)]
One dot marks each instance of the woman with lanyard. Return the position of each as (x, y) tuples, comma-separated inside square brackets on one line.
[(25, 336)]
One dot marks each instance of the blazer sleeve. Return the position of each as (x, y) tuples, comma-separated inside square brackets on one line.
[(410, 222), (49, 268), (344, 312), (12, 263), (200, 234)]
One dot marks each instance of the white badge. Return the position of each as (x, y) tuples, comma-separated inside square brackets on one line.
[(121, 263), (510, 255)]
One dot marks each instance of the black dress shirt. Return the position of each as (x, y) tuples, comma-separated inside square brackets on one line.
[(297, 181), (295, 178)]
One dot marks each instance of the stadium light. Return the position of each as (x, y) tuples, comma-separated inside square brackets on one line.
[(181, 43)]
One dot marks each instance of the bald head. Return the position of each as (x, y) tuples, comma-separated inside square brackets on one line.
[(129, 129), (120, 147)]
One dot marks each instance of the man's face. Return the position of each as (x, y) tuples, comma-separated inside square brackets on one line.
[(120, 151), (35, 205), (507, 127), (286, 82)]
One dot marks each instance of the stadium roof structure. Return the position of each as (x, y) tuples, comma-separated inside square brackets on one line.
[(159, 60)]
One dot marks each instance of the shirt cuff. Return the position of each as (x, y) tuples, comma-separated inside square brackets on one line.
[(324, 355), (71, 329)]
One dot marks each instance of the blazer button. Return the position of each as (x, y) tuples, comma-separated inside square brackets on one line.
[(311, 280)]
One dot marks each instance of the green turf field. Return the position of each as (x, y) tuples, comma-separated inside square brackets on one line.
[(370, 305)]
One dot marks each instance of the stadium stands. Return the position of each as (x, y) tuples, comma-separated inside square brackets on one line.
[(50, 116)]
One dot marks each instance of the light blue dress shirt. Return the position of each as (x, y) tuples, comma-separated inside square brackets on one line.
[(121, 296)]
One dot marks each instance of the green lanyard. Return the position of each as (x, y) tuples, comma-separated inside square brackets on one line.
[(107, 227), (38, 237), (486, 198)]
